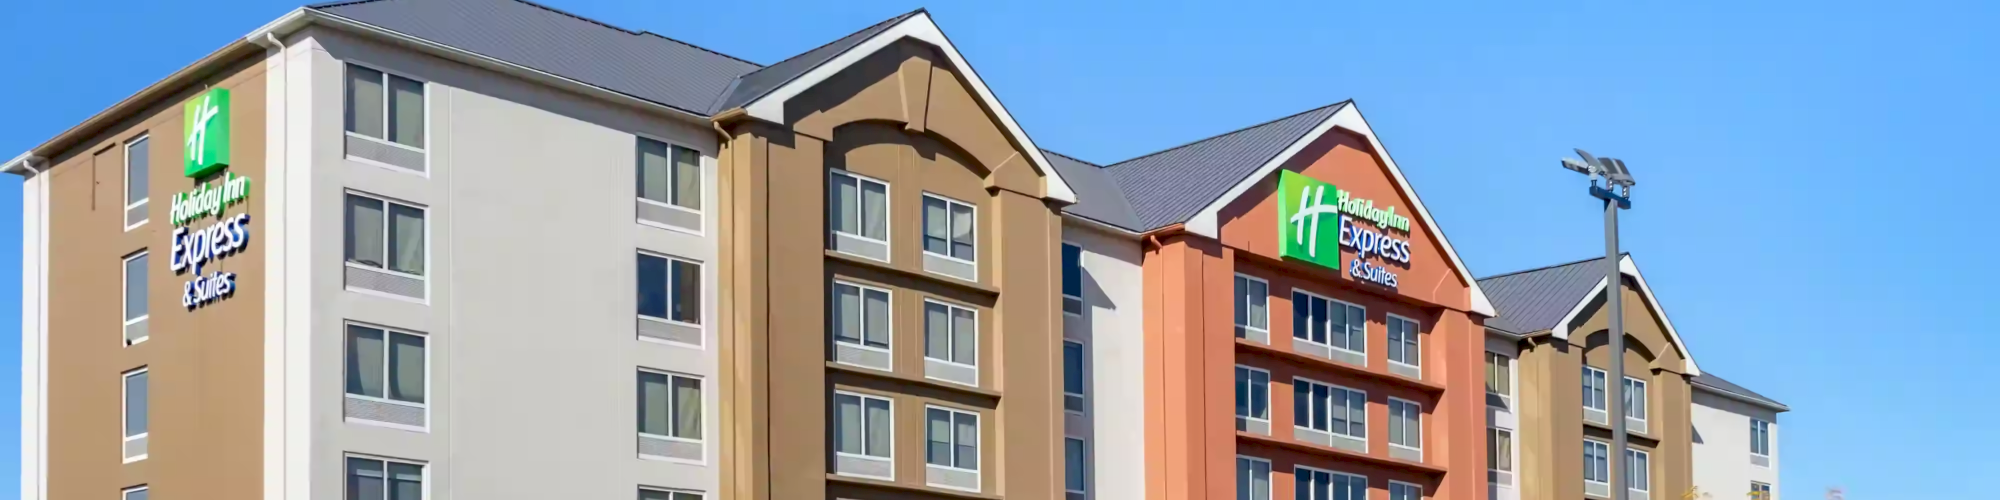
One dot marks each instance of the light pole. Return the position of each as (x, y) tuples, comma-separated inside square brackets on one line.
[(1616, 177)]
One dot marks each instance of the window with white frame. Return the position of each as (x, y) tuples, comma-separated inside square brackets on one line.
[(1593, 388), (1596, 462), (1253, 308), (1499, 450), (1406, 427), (1329, 408), (658, 494), (137, 411), (1253, 478), (951, 438), (387, 366), (951, 333), (863, 428), (136, 310), (385, 107), (669, 175), (861, 316), (1760, 438), (378, 479), (1072, 284), (1638, 470), (949, 228), (669, 289), (1316, 484), (858, 214), (1404, 345), (669, 406), (1325, 321), (1760, 491), (1076, 464), (138, 175), (1635, 399), (1073, 376), (1500, 378), (383, 234), (136, 493), (1253, 394), (1399, 490)]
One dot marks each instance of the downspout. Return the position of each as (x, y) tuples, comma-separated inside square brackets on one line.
[(40, 486)]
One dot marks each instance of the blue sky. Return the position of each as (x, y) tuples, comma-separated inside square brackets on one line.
[(1750, 128)]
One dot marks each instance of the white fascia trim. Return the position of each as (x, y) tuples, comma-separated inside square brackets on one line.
[(771, 107), (1769, 405), (1628, 268), (18, 165), (1348, 117)]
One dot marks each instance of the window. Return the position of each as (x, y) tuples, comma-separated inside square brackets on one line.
[(1638, 470), (386, 365), (1758, 491), (1253, 308), (1328, 408), (1073, 377), (1399, 490), (136, 493), (653, 494), (1406, 427), (1500, 376), (385, 235), (1596, 462), (1072, 284), (1253, 479), (136, 408), (952, 438), (669, 289), (862, 429), (1315, 484), (1760, 439), (669, 175), (1593, 388), (136, 310), (1635, 400), (948, 228), (373, 479), (1329, 322), (1253, 393), (385, 107), (858, 213), (1403, 348), (669, 406), (138, 173), (1499, 450), (951, 334), (861, 316), (1075, 463)]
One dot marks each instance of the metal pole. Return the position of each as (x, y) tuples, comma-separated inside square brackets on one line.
[(1614, 290)]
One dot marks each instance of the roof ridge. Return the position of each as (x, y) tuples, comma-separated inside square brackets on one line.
[(1550, 266), (615, 27), (1206, 139), (899, 17), (1072, 158), (324, 5)]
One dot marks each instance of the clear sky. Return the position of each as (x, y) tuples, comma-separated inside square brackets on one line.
[(1749, 127)]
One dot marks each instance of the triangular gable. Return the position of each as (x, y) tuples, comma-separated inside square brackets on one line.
[(1628, 268), (1347, 118), (771, 105)]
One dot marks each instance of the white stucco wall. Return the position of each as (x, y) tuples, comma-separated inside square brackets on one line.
[(1113, 333), (1722, 468)]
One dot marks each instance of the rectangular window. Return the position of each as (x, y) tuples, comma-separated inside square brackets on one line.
[(386, 365), (858, 214), (952, 438), (1638, 470), (1253, 393), (1253, 308), (1593, 389), (669, 406), (1329, 408), (1760, 439), (138, 175), (862, 426), (951, 333), (385, 107), (373, 479), (1072, 284), (669, 175), (1073, 377), (669, 289), (1399, 490), (1758, 491), (1253, 479), (1403, 342), (1406, 427), (949, 228), (136, 311), (1500, 376), (861, 316), (1635, 400), (1315, 484), (385, 235), (1329, 322), (653, 494), (136, 414), (1596, 462), (1076, 461), (1499, 450), (136, 493)]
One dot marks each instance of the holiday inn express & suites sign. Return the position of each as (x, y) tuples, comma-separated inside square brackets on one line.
[(205, 151), (1307, 205)]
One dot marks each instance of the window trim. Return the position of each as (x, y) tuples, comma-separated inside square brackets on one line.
[(384, 268), (1765, 431), (1638, 402), (386, 116), (1083, 352), (1330, 475), (1066, 297), (124, 292), (673, 410), (1267, 394), (700, 165), (125, 410), (1296, 379), (1238, 301), (978, 442), (948, 202), (1589, 468), (701, 302), (1329, 335), (145, 137), (1765, 491), (387, 331), (127, 492), (1491, 434), (891, 349), (1631, 456), (975, 338), (423, 466), (1269, 468), (1419, 409), (1394, 483), (1607, 390), (672, 493), (1086, 463), (1416, 332), (1507, 398), (888, 204), (891, 458)]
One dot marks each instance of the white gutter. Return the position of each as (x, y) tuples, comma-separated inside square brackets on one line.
[(19, 165), (1101, 226), (1742, 397)]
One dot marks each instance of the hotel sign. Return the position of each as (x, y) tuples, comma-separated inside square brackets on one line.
[(205, 120), (206, 151), (1305, 205)]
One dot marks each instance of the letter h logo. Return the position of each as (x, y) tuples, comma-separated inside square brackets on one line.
[(1303, 210)]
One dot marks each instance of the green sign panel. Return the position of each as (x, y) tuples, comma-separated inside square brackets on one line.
[(205, 120), (1308, 220)]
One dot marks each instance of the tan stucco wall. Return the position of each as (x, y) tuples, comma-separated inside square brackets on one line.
[(205, 366), (904, 117)]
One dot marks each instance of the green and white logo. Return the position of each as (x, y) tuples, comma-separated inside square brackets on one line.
[(1305, 206), (206, 122)]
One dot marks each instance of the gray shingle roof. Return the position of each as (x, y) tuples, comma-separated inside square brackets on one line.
[(1170, 186), (757, 83), (1098, 197), (1713, 382), (639, 64), (1536, 299)]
